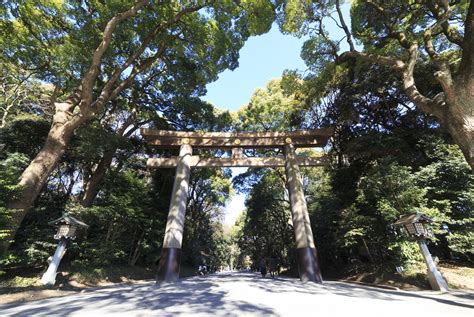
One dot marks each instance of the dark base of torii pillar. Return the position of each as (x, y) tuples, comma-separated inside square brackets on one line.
[(168, 267), (308, 265)]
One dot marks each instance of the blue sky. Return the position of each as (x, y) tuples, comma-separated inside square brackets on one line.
[(262, 58)]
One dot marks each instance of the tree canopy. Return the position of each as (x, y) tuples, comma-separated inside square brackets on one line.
[(78, 79), (419, 40)]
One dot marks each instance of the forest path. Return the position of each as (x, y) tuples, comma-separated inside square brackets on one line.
[(247, 294)]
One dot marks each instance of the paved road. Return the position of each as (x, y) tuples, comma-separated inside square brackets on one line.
[(245, 294)]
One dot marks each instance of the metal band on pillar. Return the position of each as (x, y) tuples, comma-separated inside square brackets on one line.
[(307, 259), (168, 268)]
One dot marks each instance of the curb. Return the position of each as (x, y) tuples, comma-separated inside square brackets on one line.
[(393, 288)]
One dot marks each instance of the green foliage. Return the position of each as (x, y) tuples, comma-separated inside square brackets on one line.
[(318, 53), (24, 134), (10, 169), (121, 221), (295, 13), (94, 275), (450, 187), (358, 226), (391, 189), (19, 281), (369, 24), (384, 194), (270, 109), (59, 36), (21, 93), (204, 241), (409, 253), (260, 15)]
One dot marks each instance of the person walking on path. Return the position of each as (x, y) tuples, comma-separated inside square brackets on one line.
[(272, 267), (263, 268)]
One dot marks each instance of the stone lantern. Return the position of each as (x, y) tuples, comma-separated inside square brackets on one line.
[(416, 226), (68, 226)]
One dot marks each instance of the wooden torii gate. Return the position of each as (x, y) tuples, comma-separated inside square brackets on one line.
[(168, 268)]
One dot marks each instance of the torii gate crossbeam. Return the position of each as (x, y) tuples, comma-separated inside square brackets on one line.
[(308, 266)]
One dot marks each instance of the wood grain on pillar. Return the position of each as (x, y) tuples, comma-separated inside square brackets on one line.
[(307, 259), (168, 268), (177, 211), (299, 211)]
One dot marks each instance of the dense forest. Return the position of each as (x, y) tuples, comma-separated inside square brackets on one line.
[(78, 79)]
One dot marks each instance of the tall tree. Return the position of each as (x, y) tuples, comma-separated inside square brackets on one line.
[(209, 191), (406, 36), (93, 51)]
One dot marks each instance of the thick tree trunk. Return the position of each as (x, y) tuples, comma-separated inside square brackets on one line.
[(92, 186), (36, 174), (109, 233), (461, 112), (369, 254), (459, 121)]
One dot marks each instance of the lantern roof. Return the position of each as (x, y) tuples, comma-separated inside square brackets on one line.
[(413, 218), (66, 218)]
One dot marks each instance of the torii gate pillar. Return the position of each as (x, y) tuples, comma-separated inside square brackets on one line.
[(307, 259), (168, 267)]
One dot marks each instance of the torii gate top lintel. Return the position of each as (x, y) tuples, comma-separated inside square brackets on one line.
[(236, 141), (166, 139)]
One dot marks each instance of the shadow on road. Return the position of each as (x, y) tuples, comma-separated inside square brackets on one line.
[(282, 285), (207, 296), (192, 295)]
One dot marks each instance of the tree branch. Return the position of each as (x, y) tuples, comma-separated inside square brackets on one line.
[(88, 80), (431, 106), (424, 103), (401, 37), (326, 38), (133, 58), (443, 76), (107, 93), (146, 64), (427, 34), (374, 58), (344, 26), (55, 94), (451, 34)]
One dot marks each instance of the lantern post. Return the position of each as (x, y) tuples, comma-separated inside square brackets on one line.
[(415, 226), (67, 230)]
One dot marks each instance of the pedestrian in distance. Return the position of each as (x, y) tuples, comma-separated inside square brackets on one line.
[(263, 268), (272, 267)]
